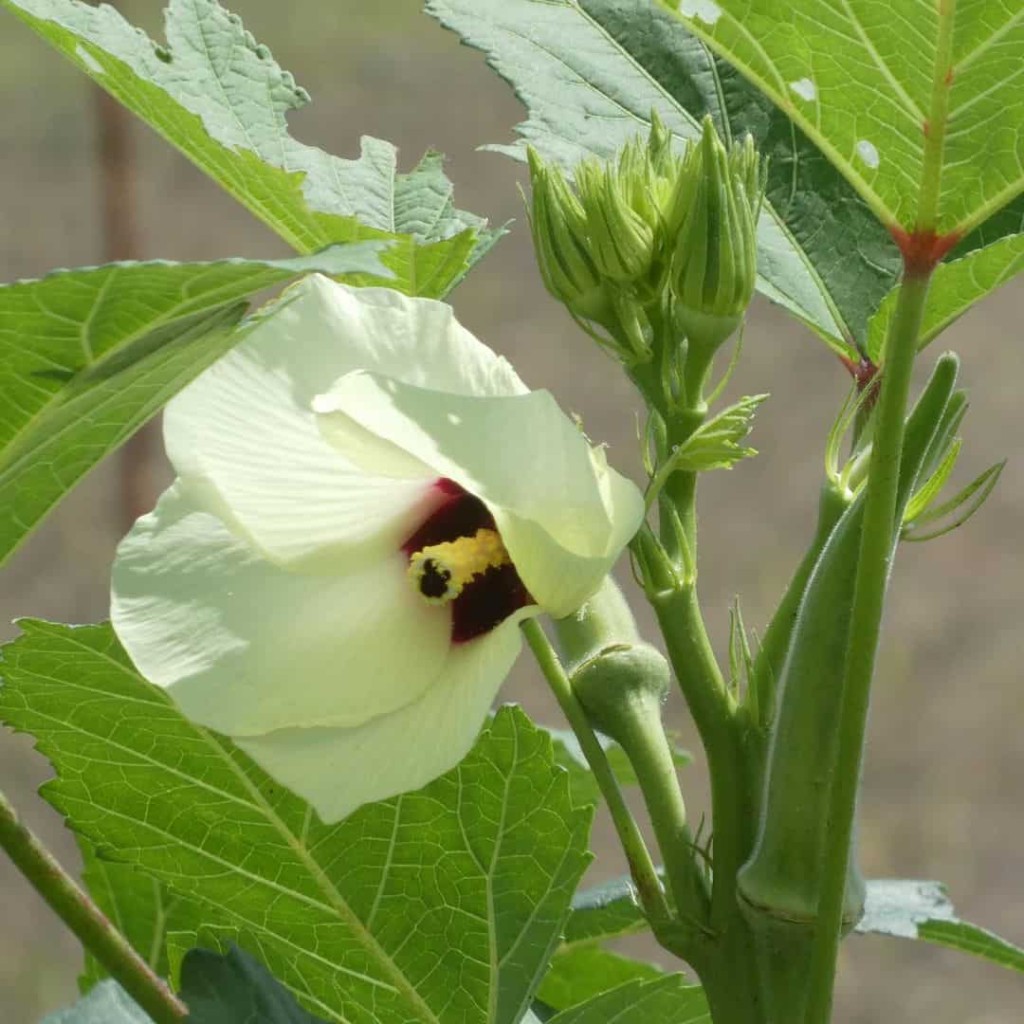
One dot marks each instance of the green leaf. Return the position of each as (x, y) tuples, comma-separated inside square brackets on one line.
[(716, 443), (141, 909), (591, 71), (582, 784), (235, 988), (87, 356), (107, 1003), (220, 98), (579, 973), (922, 910), (955, 287), (895, 95), (640, 1002), (441, 904), (605, 911)]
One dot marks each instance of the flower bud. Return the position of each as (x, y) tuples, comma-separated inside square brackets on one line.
[(619, 684), (617, 678), (604, 247), (621, 241), (559, 228), (714, 214)]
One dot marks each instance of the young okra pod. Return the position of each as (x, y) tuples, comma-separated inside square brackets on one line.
[(780, 884)]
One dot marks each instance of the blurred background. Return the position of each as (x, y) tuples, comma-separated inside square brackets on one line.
[(941, 794)]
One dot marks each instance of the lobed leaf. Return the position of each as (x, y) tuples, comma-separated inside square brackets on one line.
[(591, 71), (220, 98), (439, 905), (897, 96), (87, 356), (716, 443)]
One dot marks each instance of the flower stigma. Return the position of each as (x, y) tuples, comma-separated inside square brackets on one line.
[(458, 559), (440, 571)]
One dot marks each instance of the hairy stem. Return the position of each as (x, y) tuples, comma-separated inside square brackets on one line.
[(641, 866), (86, 921), (643, 738)]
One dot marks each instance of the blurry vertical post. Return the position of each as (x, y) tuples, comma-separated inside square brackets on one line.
[(115, 156)]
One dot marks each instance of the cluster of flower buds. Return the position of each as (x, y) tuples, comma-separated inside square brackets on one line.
[(652, 230)]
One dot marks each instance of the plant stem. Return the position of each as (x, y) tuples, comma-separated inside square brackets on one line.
[(86, 921), (866, 617), (701, 681), (641, 867), (642, 736)]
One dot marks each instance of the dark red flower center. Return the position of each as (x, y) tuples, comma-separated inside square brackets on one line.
[(490, 596)]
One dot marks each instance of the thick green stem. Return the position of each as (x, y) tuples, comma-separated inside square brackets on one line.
[(86, 921), (641, 867), (869, 595)]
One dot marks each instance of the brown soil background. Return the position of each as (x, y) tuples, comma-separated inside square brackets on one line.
[(942, 785)]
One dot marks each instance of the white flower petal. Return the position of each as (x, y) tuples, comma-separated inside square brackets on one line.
[(245, 427), (246, 647), (563, 515), (338, 770)]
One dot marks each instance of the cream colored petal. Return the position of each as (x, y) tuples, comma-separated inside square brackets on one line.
[(338, 770), (245, 426), (246, 431), (245, 647), (564, 516)]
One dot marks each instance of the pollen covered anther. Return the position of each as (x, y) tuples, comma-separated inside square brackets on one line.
[(440, 571)]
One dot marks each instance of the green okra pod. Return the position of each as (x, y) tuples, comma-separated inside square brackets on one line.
[(779, 886)]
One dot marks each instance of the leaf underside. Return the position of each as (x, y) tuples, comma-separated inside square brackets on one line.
[(87, 356), (222, 100)]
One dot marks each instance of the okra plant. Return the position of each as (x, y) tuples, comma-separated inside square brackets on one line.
[(279, 756)]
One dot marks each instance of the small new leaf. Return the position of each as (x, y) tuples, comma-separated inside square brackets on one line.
[(605, 911), (925, 495), (741, 661), (717, 443)]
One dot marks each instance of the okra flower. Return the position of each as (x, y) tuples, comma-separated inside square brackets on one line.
[(368, 502)]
